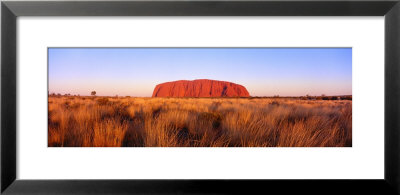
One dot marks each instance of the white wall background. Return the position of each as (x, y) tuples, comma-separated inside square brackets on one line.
[(364, 160)]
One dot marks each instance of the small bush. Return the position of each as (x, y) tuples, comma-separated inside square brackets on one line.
[(103, 101)]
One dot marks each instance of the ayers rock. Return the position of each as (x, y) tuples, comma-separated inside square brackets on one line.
[(200, 88)]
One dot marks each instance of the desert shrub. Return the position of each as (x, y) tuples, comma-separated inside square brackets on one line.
[(346, 97), (103, 101), (67, 104), (214, 117), (275, 103)]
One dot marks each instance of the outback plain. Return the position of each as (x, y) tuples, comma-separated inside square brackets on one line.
[(90, 121)]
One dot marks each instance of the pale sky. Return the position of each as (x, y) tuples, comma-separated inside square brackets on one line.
[(263, 71)]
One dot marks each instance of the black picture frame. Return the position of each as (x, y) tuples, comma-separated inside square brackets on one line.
[(10, 10)]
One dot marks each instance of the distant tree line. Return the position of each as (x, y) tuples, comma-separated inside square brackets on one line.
[(324, 97), (308, 97)]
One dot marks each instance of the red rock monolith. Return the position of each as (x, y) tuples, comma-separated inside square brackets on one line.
[(200, 88)]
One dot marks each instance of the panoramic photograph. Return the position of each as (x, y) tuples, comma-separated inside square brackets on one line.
[(199, 97)]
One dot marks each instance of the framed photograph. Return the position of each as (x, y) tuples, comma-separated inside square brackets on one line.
[(205, 97), (143, 100)]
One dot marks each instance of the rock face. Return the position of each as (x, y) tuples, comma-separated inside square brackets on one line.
[(200, 88)]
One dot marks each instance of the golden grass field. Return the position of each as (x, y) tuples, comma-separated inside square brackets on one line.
[(198, 122)]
